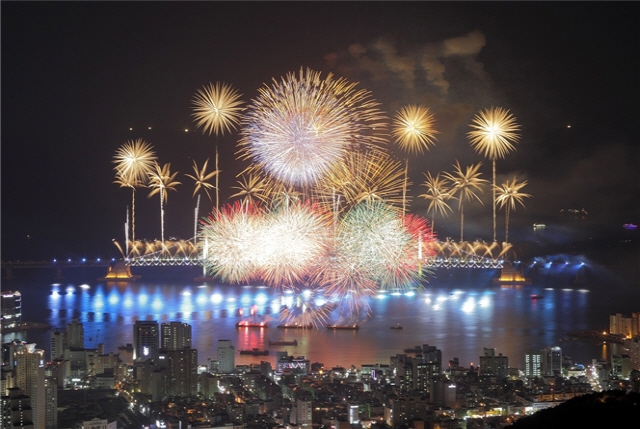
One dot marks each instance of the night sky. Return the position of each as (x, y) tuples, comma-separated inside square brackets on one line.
[(77, 76)]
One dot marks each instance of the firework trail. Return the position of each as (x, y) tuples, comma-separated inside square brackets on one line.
[(495, 134), (134, 161), (306, 308)]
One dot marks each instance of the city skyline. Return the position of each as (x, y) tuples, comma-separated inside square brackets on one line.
[(550, 65)]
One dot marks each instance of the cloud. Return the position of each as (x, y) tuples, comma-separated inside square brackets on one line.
[(403, 66), (357, 49), (416, 71), (434, 68), (469, 44)]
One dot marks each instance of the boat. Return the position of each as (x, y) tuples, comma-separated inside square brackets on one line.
[(294, 326), (353, 327), (255, 352), (282, 342), (630, 226), (534, 296), (398, 326), (252, 325)]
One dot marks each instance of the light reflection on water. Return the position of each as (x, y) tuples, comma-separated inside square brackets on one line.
[(460, 320)]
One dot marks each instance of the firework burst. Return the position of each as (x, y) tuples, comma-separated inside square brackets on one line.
[(228, 237), (465, 184), (438, 193), (201, 178), (300, 127), (217, 108), (359, 177), (413, 128), (293, 240), (508, 195), (372, 244), (495, 132), (252, 188), (134, 160)]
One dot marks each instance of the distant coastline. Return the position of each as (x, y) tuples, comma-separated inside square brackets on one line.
[(25, 326)]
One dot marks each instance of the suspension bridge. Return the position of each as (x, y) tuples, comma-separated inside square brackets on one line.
[(183, 253)]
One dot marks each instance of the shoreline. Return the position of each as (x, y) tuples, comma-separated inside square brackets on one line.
[(25, 326)]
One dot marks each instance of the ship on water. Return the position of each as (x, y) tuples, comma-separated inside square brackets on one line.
[(246, 324), (352, 327), (281, 342), (255, 352)]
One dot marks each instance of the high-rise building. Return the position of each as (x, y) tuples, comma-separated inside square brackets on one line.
[(8, 349), (226, 357), (635, 324), (621, 366), (10, 309), (629, 327), (51, 401), (494, 366), (29, 377), (303, 413), (145, 340), (57, 344), (208, 385), (450, 399), (16, 410), (634, 352), (417, 373), (354, 414), (75, 335), (402, 409), (533, 364), (182, 368), (175, 336), (552, 361)]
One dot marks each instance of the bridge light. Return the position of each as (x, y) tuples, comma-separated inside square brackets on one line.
[(98, 259), (84, 260), (55, 261), (68, 260)]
